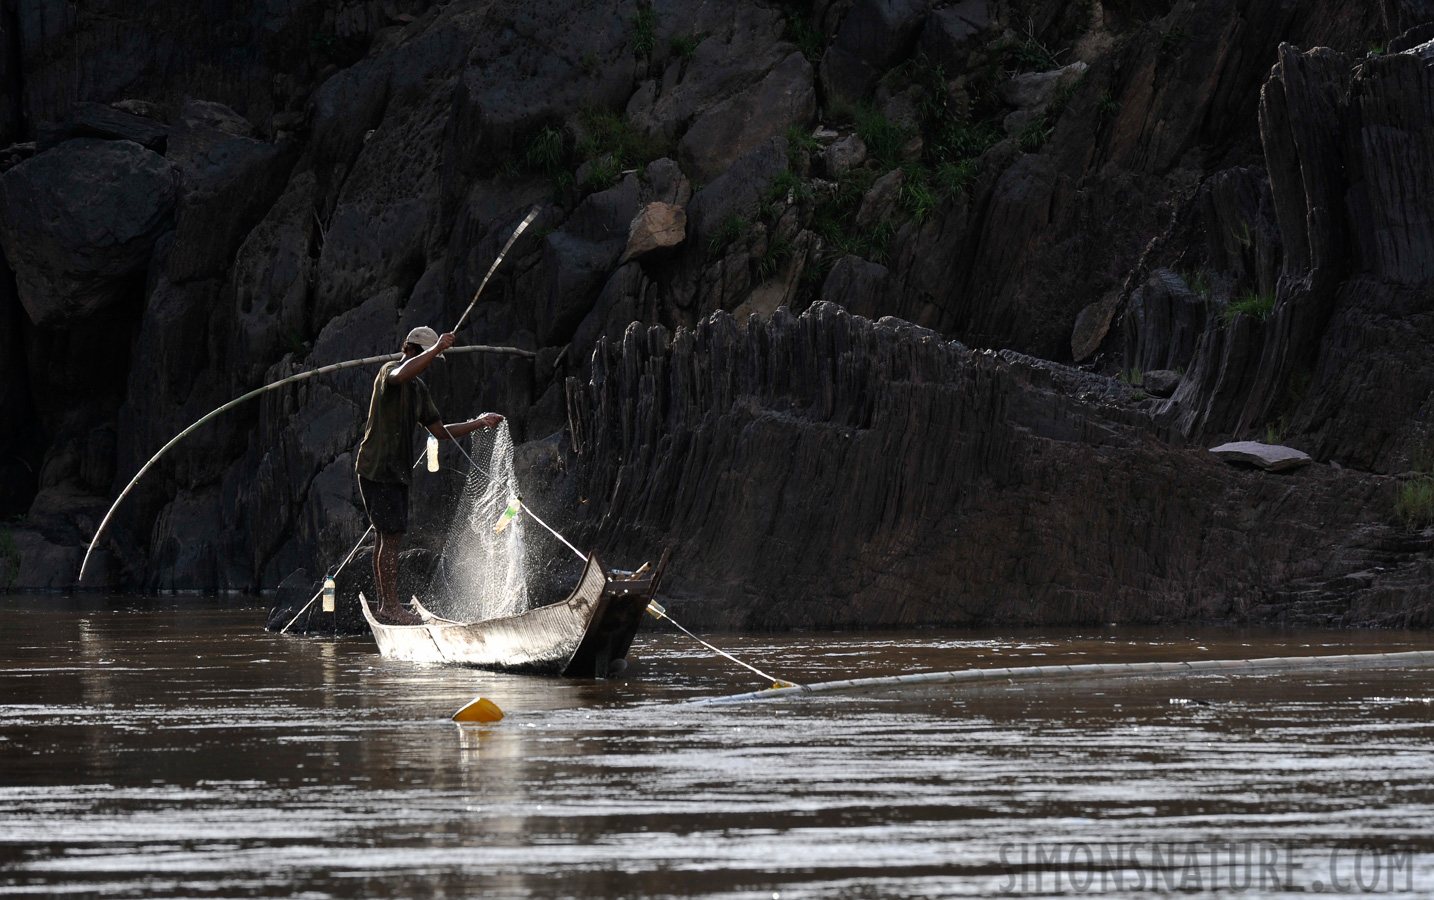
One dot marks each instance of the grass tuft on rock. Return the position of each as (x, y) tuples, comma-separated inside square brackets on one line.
[(726, 234), (916, 195), (1251, 303), (1414, 503), (1106, 107), (800, 139), (957, 176), (798, 29), (546, 151), (644, 29), (787, 185), (779, 253), (1061, 98), (1199, 283), (1027, 56), (609, 133), (684, 46), (1034, 136), (883, 138)]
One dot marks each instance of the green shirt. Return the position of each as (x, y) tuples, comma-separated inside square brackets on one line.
[(386, 453)]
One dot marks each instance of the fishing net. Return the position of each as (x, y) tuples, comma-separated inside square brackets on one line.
[(481, 571)]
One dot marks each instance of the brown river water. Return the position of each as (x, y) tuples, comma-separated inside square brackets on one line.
[(170, 748)]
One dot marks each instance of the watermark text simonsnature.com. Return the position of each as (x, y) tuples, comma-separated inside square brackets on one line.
[(1234, 866)]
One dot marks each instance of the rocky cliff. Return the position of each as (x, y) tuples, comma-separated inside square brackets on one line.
[(880, 311)]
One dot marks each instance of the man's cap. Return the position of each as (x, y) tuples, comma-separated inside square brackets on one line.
[(423, 336)]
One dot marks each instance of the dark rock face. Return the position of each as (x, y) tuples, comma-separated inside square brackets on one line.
[(873, 35), (734, 127), (827, 471), (226, 185), (952, 33), (741, 43), (1163, 321), (1233, 189), (80, 221), (1348, 160)]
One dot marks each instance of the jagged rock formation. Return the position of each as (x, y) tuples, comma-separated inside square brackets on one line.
[(1232, 194), (828, 471)]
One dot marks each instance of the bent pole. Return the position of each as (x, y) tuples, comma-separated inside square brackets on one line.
[(512, 239), (292, 379)]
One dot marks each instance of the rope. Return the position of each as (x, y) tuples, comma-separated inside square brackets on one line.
[(775, 681), (285, 629), (580, 554)]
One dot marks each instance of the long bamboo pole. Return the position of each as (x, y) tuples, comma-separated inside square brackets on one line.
[(292, 379), (998, 675)]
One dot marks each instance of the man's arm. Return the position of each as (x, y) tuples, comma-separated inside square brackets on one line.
[(415, 366), (442, 432)]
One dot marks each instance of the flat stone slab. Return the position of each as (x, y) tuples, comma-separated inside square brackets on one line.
[(1270, 457)]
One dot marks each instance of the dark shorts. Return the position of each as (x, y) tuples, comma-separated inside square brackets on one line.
[(386, 504)]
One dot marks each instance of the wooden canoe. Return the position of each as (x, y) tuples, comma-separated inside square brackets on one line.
[(585, 636)]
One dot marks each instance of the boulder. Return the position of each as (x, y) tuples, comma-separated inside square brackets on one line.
[(901, 108), (189, 542), (952, 33), (1030, 89), (734, 127), (657, 226), (1161, 382), (1020, 119), (79, 221), (844, 155), (1270, 457), (1092, 325), (143, 108)]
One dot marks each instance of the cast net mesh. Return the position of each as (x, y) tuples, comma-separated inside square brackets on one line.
[(481, 572)]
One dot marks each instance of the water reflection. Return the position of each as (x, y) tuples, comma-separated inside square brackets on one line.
[(176, 750)]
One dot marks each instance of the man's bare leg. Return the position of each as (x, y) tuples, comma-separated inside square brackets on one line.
[(385, 573)]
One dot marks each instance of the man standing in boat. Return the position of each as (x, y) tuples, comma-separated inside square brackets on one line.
[(385, 457)]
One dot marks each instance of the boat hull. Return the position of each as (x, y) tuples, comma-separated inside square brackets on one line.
[(584, 636)]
